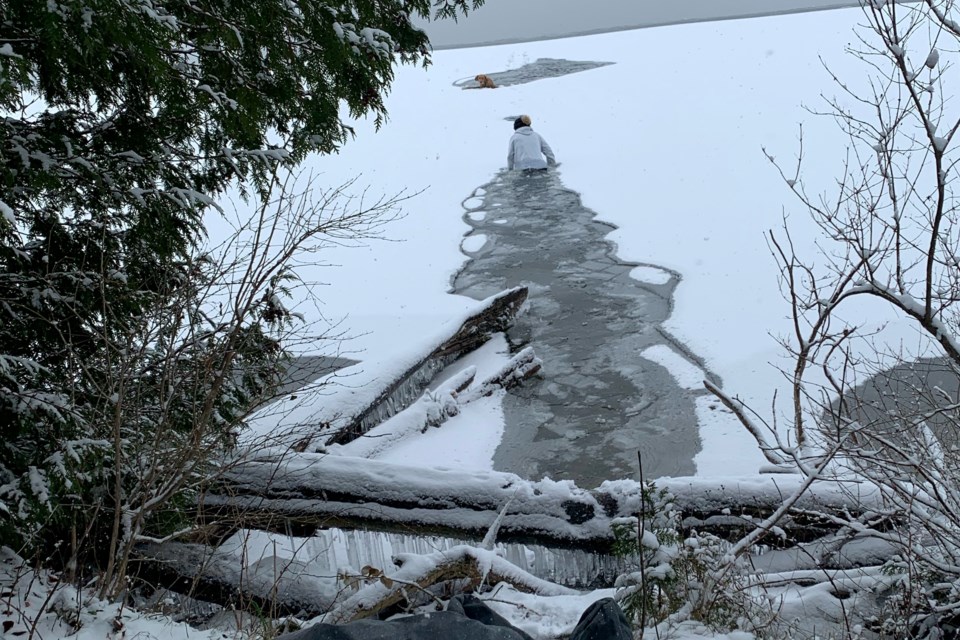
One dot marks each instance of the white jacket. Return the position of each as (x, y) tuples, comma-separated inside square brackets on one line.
[(527, 149)]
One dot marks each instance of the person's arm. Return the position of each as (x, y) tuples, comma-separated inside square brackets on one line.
[(510, 155), (548, 152)]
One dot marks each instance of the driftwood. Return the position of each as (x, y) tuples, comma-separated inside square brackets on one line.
[(477, 566), (312, 491), (293, 589), (522, 366), (496, 315), (431, 410), (435, 407)]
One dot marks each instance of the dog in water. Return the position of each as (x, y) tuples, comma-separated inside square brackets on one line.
[(485, 82)]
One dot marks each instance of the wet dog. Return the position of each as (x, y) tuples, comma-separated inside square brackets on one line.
[(485, 82)]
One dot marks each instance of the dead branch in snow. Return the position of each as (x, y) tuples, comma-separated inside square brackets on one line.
[(770, 452), (424, 571), (287, 587)]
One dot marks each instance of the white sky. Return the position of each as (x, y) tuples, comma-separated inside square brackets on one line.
[(513, 20)]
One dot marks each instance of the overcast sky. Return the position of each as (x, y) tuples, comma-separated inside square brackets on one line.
[(513, 20)]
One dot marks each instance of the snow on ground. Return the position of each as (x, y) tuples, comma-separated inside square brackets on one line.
[(27, 593), (553, 617), (37, 605), (651, 275), (688, 375), (666, 144)]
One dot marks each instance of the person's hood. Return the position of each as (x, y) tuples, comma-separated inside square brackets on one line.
[(524, 131)]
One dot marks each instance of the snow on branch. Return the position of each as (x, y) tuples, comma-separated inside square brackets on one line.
[(435, 407), (770, 452)]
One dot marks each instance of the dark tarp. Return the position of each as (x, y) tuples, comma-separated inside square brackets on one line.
[(468, 618)]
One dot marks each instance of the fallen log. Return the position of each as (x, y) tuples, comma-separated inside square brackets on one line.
[(495, 315), (375, 390), (434, 408), (388, 588), (731, 507), (311, 491), (278, 587), (273, 587), (521, 367)]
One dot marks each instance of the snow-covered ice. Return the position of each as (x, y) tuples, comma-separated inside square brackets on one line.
[(651, 275), (474, 243), (687, 374), (688, 187)]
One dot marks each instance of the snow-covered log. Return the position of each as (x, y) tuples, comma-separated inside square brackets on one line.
[(274, 586), (436, 407), (283, 587), (363, 396), (423, 571), (522, 366), (727, 505), (496, 314), (309, 491)]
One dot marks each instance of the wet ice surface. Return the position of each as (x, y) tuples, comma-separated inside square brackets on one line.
[(538, 70), (599, 401)]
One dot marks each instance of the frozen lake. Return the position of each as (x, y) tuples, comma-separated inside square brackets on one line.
[(501, 21), (599, 401)]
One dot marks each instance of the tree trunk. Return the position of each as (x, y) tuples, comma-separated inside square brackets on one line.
[(311, 491), (497, 313), (203, 573)]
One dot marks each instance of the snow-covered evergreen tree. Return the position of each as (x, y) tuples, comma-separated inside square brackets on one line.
[(122, 120)]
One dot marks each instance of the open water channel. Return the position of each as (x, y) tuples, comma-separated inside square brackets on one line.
[(599, 402)]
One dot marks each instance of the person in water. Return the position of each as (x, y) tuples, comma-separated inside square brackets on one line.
[(528, 149)]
